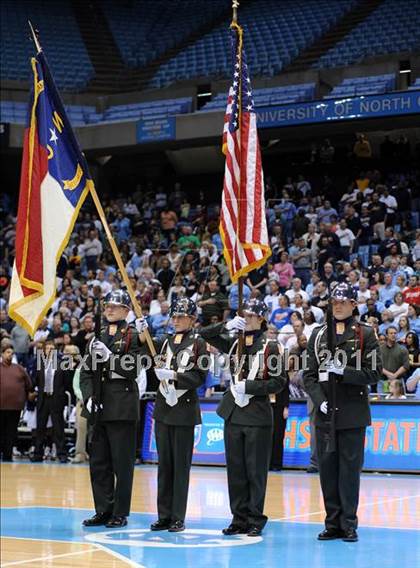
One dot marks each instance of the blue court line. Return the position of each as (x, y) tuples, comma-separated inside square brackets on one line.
[(283, 543)]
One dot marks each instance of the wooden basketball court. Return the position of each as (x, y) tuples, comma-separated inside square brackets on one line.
[(43, 505)]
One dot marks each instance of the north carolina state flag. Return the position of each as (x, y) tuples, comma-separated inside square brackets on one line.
[(54, 183)]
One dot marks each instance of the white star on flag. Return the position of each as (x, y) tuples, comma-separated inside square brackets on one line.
[(54, 136)]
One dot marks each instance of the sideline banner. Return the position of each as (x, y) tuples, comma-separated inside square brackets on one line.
[(392, 442)]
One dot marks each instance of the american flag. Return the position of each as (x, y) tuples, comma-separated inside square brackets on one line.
[(243, 225)]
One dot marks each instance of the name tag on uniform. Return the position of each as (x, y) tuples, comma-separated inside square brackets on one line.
[(112, 330), (340, 328), (249, 340), (178, 338)]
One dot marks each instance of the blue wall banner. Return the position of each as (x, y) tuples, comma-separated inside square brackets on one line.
[(392, 442), (156, 129), (344, 108)]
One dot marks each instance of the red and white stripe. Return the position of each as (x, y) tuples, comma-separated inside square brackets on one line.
[(243, 221)]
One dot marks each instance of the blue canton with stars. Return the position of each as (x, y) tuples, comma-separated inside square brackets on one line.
[(241, 82), (66, 163)]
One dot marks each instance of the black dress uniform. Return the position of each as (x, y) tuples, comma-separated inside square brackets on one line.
[(113, 431), (176, 413), (340, 467), (248, 429)]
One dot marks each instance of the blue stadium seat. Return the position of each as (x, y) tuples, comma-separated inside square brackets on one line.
[(61, 39), (392, 28)]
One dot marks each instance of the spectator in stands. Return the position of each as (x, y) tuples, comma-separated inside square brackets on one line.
[(287, 210), (84, 335), (165, 275), (398, 308), (347, 239), (403, 329), (15, 390), (394, 360), (321, 296), (413, 383), (302, 261), (272, 299), (298, 330), (371, 311), (377, 211), (388, 290), (326, 212), (285, 272), (187, 240), (362, 149), (413, 314), (257, 279), (21, 344), (281, 315), (396, 390), (92, 250), (412, 292), (160, 321), (296, 289), (326, 152), (168, 220), (213, 304), (52, 384), (412, 345)]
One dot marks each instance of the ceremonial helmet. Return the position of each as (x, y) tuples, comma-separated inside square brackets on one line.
[(183, 307), (256, 307), (344, 291), (119, 298)]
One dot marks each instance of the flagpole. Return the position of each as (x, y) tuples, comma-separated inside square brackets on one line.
[(121, 267), (240, 348), (35, 39)]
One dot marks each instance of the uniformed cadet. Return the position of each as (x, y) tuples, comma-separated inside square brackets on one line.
[(345, 379), (112, 409), (176, 413), (248, 416)]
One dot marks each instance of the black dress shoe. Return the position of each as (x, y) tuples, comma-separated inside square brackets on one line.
[(64, 460), (312, 469), (254, 531), (97, 520), (330, 534), (234, 529), (176, 526), (350, 535), (160, 525), (116, 522)]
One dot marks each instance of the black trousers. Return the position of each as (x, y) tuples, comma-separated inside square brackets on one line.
[(9, 422), (112, 452), (340, 476), (248, 452), (44, 410), (279, 428), (175, 446)]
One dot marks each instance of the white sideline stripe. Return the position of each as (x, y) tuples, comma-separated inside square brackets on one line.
[(362, 505), (49, 557)]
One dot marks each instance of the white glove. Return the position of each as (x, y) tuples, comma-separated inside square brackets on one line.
[(324, 407), (141, 324), (240, 387), (236, 324), (90, 405), (332, 368), (99, 348), (165, 374)]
